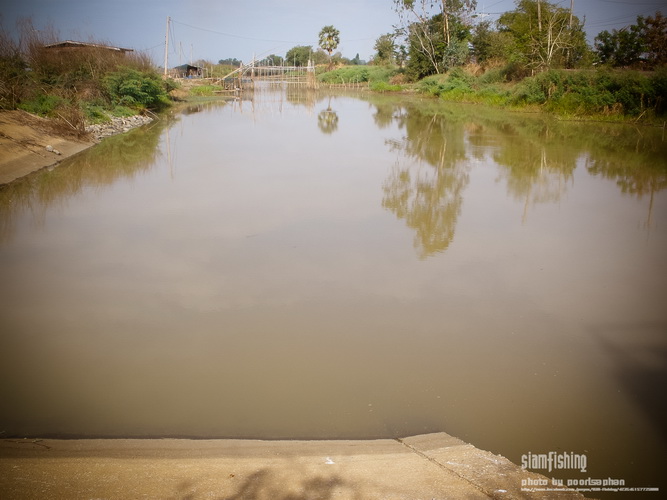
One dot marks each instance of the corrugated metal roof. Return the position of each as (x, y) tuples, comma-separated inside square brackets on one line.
[(72, 43)]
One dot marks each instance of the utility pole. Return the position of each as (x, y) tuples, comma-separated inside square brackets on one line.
[(571, 10), (166, 49)]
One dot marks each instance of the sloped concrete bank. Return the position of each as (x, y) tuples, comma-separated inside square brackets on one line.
[(29, 143), (432, 466)]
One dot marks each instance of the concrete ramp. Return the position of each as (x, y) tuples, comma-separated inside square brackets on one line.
[(432, 466)]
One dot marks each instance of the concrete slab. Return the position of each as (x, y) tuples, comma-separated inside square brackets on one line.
[(23, 145), (435, 466)]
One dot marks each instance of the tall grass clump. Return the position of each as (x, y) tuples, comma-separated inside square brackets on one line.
[(75, 84), (597, 92), (13, 72), (454, 85)]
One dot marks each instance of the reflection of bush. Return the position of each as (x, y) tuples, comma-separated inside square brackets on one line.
[(115, 157), (636, 160)]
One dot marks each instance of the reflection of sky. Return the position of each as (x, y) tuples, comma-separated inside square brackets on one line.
[(214, 30)]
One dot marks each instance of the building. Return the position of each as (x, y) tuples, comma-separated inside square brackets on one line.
[(69, 45), (187, 71)]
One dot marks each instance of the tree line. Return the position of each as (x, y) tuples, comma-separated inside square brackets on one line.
[(434, 36)]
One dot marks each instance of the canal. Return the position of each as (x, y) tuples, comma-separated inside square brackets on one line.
[(305, 265)]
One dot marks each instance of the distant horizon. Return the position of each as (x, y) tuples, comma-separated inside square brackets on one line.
[(233, 29)]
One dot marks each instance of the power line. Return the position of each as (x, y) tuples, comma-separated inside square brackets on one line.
[(233, 35), (625, 2)]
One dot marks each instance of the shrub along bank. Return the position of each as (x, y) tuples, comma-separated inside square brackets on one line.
[(612, 94), (588, 93), (88, 84)]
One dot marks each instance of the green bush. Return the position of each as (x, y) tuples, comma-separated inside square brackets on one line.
[(529, 91), (433, 84), (630, 93), (136, 89)]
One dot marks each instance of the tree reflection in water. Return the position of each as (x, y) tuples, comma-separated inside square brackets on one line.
[(425, 188), (327, 120), (535, 156)]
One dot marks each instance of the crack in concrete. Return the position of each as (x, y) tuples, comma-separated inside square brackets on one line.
[(442, 466)]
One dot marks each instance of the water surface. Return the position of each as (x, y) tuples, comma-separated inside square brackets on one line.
[(327, 266)]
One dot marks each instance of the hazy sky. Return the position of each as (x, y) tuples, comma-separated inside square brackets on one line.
[(218, 29)]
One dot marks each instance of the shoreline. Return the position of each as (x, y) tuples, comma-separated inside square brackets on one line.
[(29, 143)]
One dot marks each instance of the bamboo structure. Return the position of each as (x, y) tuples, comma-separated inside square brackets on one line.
[(246, 75)]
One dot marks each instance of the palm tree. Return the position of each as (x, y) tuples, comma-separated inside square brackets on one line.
[(329, 40)]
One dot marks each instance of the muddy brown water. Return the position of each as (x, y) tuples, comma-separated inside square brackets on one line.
[(330, 266)]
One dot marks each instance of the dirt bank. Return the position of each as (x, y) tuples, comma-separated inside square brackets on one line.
[(29, 143)]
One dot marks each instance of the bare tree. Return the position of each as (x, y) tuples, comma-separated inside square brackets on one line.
[(417, 21)]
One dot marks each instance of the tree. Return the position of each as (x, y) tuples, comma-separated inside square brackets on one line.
[(385, 49), (489, 44), (422, 10), (654, 30), (436, 32), (620, 47), (329, 40), (642, 43), (546, 35), (272, 60), (299, 55), (319, 57), (231, 61)]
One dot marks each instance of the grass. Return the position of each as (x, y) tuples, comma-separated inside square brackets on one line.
[(358, 74), (42, 104), (204, 90), (385, 87), (600, 93)]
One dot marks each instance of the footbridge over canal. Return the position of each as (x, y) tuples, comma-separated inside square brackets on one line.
[(247, 74)]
